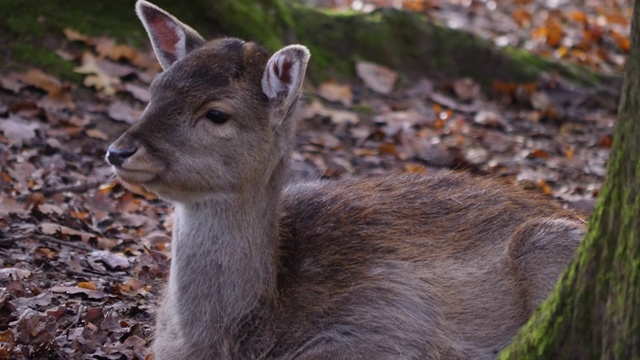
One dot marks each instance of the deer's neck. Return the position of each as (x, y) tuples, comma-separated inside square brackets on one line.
[(223, 262)]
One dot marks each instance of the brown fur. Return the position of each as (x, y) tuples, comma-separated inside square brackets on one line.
[(436, 266)]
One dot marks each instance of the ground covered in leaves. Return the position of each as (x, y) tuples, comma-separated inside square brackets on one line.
[(82, 260)]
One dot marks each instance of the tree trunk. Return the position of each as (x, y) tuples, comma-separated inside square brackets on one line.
[(399, 39), (594, 312), (404, 41)]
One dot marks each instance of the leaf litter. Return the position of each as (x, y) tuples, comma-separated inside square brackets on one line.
[(83, 259)]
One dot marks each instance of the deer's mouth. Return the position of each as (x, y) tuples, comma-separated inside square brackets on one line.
[(134, 177)]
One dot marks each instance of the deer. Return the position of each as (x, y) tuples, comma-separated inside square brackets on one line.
[(440, 265)]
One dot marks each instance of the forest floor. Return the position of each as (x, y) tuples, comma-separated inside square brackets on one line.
[(82, 261)]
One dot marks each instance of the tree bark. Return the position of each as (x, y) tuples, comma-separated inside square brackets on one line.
[(594, 312), (402, 40)]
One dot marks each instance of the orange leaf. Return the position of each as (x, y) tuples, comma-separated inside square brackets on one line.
[(578, 16), (86, 285), (73, 35), (108, 187), (413, 168), (554, 32), (522, 17), (623, 42), (544, 187), (79, 215), (539, 153), (48, 253), (606, 141), (569, 153), (387, 148)]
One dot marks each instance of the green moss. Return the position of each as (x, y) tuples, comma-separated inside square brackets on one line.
[(24, 53), (404, 41), (530, 65)]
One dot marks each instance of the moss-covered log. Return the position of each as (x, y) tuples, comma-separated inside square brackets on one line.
[(402, 40), (594, 312)]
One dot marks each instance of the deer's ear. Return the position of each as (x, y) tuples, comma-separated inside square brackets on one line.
[(170, 38), (283, 77)]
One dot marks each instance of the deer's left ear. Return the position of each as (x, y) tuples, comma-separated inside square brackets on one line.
[(283, 77)]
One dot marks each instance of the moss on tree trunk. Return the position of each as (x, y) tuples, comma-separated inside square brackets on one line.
[(404, 41), (594, 313)]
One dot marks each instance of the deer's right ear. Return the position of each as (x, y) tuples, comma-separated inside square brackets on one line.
[(170, 38)]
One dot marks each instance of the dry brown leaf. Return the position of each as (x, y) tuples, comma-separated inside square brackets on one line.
[(122, 111), (113, 260), (73, 35), (554, 32), (12, 82), (539, 153), (522, 17), (106, 47), (337, 116), (138, 92), (48, 253), (543, 187), (39, 79), (14, 274), (96, 76), (91, 294), (332, 91), (97, 134), (9, 205), (378, 78), (623, 41), (7, 343), (413, 168), (18, 131), (53, 229), (387, 148), (569, 153), (87, 285), (466, 89)]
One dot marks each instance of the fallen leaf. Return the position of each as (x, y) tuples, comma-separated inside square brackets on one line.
[(121, 111), (466, 89), (91, 294), (138, 92), (86, 285), (539, 153), (11, 82), (337, 116), (490, 119), (73, 35), (9, 205), (106, 47), (378, 78), (332, 91), (97, 77), (18, 131), (7, 343), (96, 134), (112, 260), (57, 230), (14, 274)]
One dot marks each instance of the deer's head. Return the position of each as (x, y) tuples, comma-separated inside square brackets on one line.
[(219, 115)]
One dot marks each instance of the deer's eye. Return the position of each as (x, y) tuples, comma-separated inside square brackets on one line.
[(217, 116)]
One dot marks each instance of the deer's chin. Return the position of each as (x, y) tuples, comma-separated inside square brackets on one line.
[(134, 177), (137, 189)]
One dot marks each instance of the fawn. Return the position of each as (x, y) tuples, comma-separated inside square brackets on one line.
[(436, 266)]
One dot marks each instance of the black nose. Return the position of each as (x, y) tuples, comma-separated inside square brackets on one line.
[(116, 157)]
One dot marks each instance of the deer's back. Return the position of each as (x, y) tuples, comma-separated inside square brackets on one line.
[(422, 263)]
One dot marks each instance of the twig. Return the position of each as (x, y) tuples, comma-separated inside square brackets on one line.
[(44, 238), (79, 188)]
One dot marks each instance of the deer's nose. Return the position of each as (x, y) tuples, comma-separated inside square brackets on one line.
[(116, 157)]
